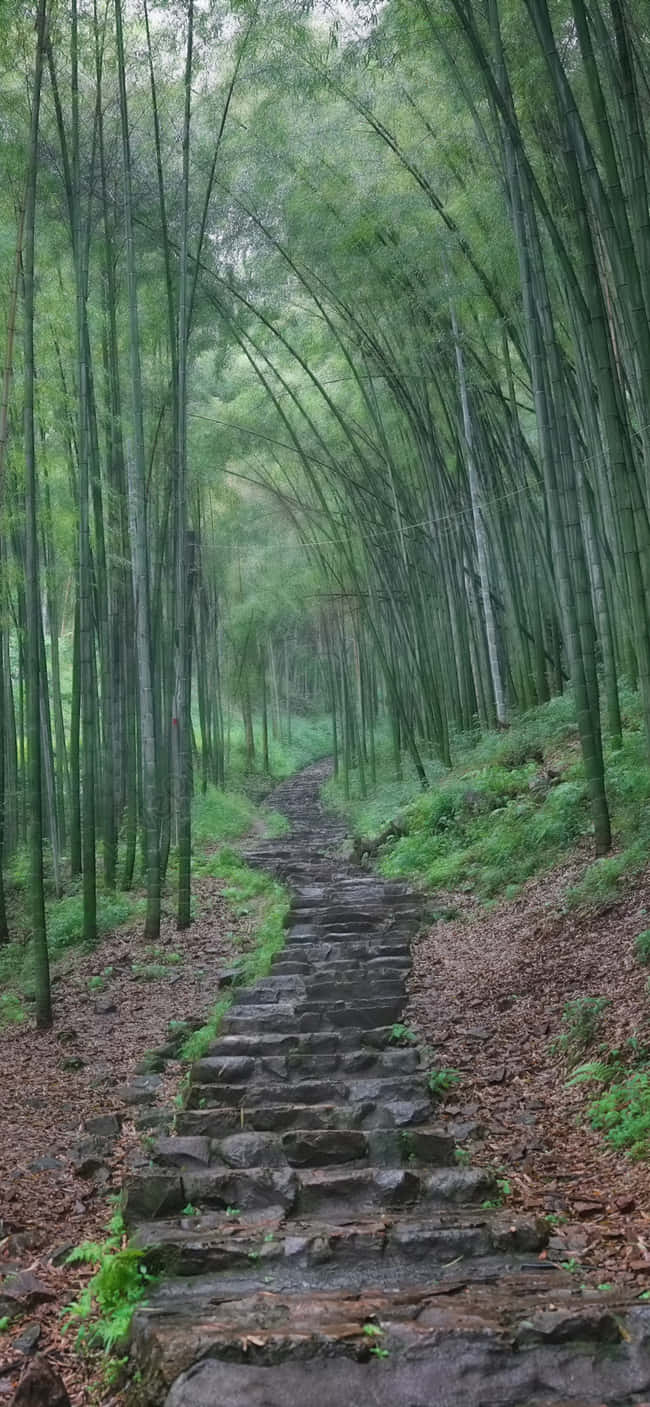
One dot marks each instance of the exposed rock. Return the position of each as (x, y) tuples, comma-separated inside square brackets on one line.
[(142, 1089), (28, 1338), (104, 1125), (248, 1150), (104, 1006), (47, 1164), (20, 1291), (40, 1386)]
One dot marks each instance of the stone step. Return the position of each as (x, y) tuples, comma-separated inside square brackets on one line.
[(304, 1064), (314, 1016), (335, 1192), (318, 1239), (343, 1089), (216, 1121), (327, 1191), (252, 1097), (279, 1350), (423, 1146), (210, 1242)]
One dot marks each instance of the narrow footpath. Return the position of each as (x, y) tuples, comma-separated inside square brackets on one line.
[(320, 1242)]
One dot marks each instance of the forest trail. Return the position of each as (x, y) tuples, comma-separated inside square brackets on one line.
[(319, 1237)]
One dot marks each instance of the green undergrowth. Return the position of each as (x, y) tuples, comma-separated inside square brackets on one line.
[(620, 1108), (101, 1315), (254, 896), (513, 806), (311, 739), (217, 816)]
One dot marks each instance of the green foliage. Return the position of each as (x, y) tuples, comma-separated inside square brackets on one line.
[(642, 947), (65, 919), (401, 1034), (220, 815), (12, 1011), (622, 1114), (5, 1321), (581, 1020), (198, 1044), (441, 1081), (487, 827), (603, 881), (248, 891), (481, 826), (121, 1281)]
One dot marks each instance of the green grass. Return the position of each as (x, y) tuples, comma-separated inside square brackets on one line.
[(311, 739), (486, 826), (65, 919), (250, 893), (220, 815)]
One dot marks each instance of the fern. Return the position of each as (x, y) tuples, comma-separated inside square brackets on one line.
[(104, 1309)]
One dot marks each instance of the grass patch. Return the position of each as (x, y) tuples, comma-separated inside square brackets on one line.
[(513, 806), (12, 1011), (220, 815), (65, 919), (253, 894)]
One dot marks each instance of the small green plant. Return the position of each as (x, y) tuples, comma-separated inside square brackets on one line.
[(96, 983), (462, 1156), (233, 1211), (378, 1352), (605, 1287), (190, 1210), (572, 1266), (121, 1281), (622, 1113), (198, 1044), (400, 1034), (5, 1321), (642, 947), (581, 1020), (12, 1011), (372, 1331), (441, 1081)]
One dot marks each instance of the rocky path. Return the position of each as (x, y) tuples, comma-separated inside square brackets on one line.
[(320, 1241)]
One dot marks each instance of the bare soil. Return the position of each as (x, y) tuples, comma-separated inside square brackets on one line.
[(488, 990), (45, 1103)]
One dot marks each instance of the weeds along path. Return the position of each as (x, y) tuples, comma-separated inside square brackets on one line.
[(316, 1235)]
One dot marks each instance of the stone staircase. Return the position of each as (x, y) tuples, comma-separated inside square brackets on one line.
[(319, 1240)]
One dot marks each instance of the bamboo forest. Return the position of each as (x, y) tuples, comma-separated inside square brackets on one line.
[(325, 703)]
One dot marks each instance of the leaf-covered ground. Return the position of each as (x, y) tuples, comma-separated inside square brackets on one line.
[(488, 994), (53, 1083)]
